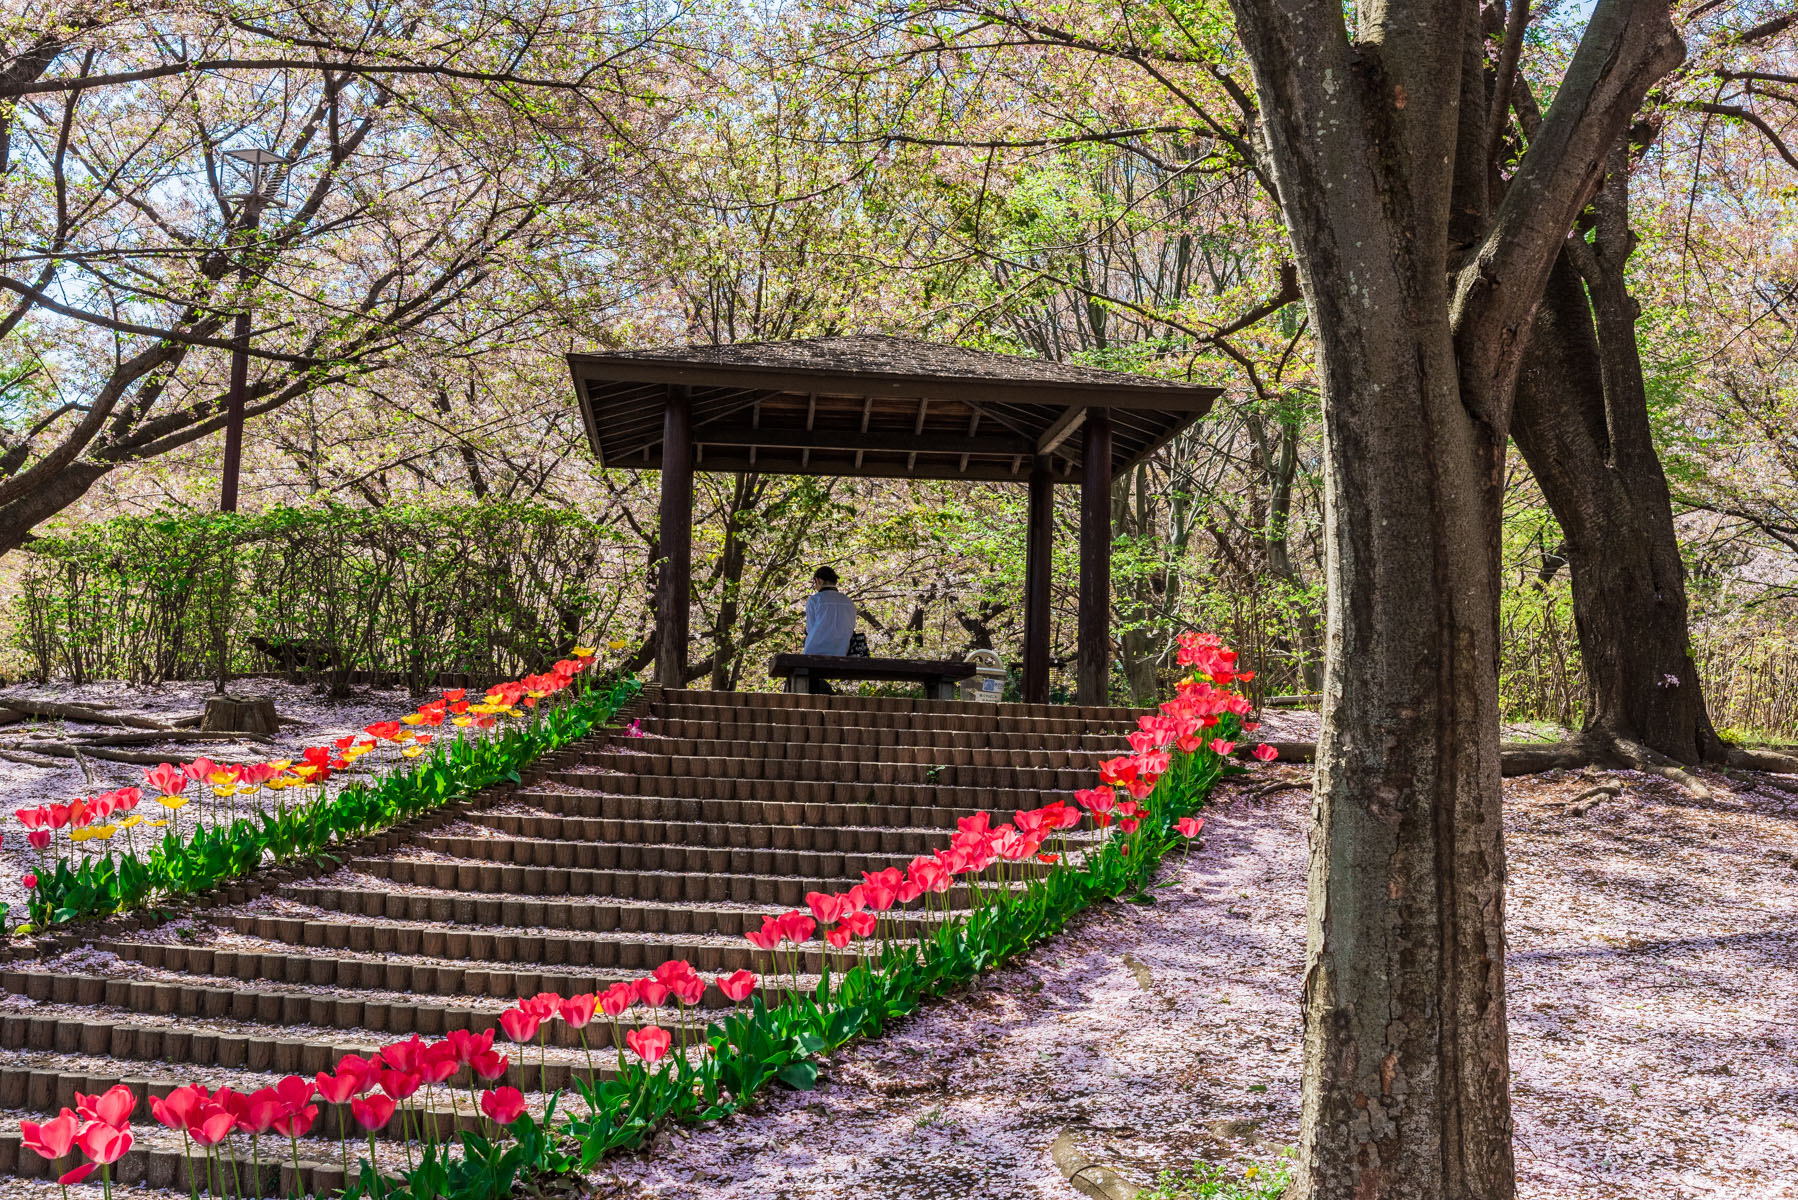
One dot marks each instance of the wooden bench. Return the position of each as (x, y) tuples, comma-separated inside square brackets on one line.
[(939, 677)]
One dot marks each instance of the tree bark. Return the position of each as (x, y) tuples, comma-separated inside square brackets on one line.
[(1582, 426), (1418, 283)]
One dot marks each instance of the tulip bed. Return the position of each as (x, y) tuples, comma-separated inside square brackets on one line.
[(1026, 878), (342, 791)]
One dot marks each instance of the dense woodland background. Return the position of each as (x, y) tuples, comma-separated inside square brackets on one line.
[(476, 189)]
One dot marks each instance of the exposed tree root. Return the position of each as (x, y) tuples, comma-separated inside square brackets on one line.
[(1533, 758)]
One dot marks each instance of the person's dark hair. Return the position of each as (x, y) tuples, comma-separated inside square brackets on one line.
[(826, 576)]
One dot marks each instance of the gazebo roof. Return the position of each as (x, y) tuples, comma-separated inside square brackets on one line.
[(873, 406)]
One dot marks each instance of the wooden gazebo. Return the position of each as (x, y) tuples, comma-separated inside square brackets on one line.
[(890, 408)]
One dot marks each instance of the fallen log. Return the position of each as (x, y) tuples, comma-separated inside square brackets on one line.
[(105, 754), (78, 712)]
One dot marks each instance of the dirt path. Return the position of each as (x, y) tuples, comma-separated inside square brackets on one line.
[(1654, 1005)]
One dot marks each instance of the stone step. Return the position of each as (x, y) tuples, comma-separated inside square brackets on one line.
[(597, 916), (838, 771), (630, 956), (425, 975), (900, 843), (904, 795), (787, 733), (886, 706), (970, 751), (564, 801), (679, 858), (691, 886)]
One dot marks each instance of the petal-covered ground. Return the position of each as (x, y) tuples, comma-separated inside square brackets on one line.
[(1654, 1014)]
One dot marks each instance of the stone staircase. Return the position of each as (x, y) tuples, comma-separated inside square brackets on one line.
[(617, 855)]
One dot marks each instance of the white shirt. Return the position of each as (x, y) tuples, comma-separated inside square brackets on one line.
[(829, 620)]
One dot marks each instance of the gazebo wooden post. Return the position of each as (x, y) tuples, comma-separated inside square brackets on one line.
[(674, 593), (1039, 547), (1095, 560)]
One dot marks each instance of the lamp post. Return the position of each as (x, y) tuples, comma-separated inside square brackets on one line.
[(264, 184)]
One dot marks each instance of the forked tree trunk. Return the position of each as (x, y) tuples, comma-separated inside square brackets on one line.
[(1582, 425), (1420, 284)]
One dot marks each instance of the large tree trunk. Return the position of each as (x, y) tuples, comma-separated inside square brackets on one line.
[(1418, 285), (1406, 1060), (1582, 425)]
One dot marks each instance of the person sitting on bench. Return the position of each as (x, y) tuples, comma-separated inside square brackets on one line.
[(829, 621)]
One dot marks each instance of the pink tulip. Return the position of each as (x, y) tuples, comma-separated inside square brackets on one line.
[(1222, 748), (519, 1025), (737, 986), (53, 1138), (503, 1105), (1264, 753), (649, 1043), (1188, 827)]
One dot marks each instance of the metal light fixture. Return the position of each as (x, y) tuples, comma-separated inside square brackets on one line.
[(259, 174)]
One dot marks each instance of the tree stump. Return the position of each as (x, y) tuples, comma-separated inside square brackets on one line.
[(235, 714)]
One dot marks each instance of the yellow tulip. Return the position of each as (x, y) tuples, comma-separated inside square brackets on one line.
[(305, 770), (281, 764), (411, 719), (220, 778), (156, 824), (225, 792), (80, 835), (617, 645), (464, 722), (413, 751), (133, 819), (171, 802)]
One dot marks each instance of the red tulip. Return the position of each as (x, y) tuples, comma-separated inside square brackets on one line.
[(212, 1125), (295, 1092), (649, 1043), (1222, 748), (401, 1085), (795, 926), (860, 924), (689, 990), (543, 1005), (736, 986), (673, 971), (373, 1112), (39, 839), (367, 1071), (519, 1025), (489, 1065), (767, 937), (578, 1011), (652, 992), (29, 880), (296, 1123), (112, 1107), (438, 1063), (404, 1056), (838, 936), (615, 999), (825, 908), (78, 1174), (178, 1109), (503, 1105), (1264, 752), (53, 1138), (261, 1110), (1189, 827), (168, 780), (466, 1045), (335, 1089)]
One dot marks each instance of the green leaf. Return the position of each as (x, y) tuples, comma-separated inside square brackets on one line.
[(800, 1076)]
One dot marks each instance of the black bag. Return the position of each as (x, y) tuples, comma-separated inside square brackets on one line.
[(858, 645)]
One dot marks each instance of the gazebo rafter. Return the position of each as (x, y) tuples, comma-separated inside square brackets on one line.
[(885, 407)]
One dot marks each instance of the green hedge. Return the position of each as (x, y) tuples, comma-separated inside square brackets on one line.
[(485, 590)]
